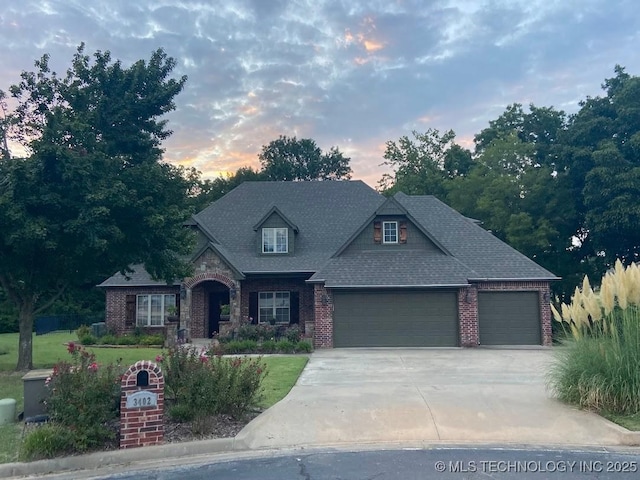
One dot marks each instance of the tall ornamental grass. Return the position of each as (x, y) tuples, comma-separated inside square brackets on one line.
[(600, 367)]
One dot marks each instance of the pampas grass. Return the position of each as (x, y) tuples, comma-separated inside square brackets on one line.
[(600, 367)]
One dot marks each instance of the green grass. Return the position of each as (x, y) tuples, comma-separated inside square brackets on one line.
[(630, 422), (283, 373), (10, 387)]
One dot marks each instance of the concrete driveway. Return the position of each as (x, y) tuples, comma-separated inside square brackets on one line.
[(425, 395)]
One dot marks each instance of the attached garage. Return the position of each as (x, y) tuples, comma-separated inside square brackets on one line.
[(509, 318), (374, 318)]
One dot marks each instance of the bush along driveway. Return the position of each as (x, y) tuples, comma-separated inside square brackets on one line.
[(598, 367)]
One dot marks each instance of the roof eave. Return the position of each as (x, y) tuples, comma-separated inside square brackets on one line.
[(435, 285), (513, 279)]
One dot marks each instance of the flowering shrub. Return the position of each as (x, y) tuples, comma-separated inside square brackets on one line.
[(85, 398), (198, 386)]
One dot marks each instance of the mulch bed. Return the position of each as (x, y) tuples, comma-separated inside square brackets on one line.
[(221, 426)]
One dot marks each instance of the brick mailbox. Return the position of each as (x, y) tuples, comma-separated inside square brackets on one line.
[(142, 406)]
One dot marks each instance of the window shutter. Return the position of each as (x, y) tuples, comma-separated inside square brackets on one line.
[(253, 306), (403, 232), (130, 312), (178, 304), (294, 307), (377, 232)]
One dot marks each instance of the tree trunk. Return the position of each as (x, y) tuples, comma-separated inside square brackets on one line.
[(25, 347)]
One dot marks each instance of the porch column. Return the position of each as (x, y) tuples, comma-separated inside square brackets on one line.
[(235, 304), (185, 315)]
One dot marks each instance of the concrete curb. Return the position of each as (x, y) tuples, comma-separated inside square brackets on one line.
[(626, 437), (96, 460), (118, 457)]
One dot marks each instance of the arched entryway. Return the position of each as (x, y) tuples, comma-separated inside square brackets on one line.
[(209, 292)]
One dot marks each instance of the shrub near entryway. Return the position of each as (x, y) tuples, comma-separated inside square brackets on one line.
[(197, 386), (83, 407), (599, 368)]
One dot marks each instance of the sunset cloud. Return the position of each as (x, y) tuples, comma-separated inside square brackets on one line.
[(353, 74)]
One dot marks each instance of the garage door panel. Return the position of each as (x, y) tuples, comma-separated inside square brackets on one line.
[(395, 319), (509, 318)]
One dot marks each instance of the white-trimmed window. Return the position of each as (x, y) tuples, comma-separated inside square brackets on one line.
[(390, 232), (274, 305), (151, 310), (275, 240)]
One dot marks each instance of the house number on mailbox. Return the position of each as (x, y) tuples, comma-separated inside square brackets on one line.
[(142, 399)]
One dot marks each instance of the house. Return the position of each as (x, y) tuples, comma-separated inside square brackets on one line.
[(350, 267)]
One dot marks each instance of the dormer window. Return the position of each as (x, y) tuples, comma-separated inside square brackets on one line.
[(390, 232), (275, 240)]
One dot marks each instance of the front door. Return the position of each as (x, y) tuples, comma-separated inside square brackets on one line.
[(216, 299)]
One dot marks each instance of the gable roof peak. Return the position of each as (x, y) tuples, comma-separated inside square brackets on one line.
[(391, 207), (277, 211)]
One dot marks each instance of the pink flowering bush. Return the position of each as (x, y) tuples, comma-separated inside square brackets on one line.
[(198, 386), (85, 399)]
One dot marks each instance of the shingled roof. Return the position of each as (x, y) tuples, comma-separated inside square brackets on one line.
[(325, 213), (329, 214)]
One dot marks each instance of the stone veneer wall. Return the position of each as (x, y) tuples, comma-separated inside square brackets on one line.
[(208, 267)]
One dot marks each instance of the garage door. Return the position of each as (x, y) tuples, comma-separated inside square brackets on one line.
[(395, 319), (509, 318)]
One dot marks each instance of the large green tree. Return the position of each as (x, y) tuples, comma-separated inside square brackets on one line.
[(288, 159), (92, 196), (422, 165), (602, 156)]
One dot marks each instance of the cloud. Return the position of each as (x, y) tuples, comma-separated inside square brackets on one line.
[(353, 74)]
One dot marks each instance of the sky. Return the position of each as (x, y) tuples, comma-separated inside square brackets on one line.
[(351, 73)]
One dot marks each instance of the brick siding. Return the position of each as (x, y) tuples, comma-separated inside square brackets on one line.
[(304, 290), (116, 305), (323, 328)]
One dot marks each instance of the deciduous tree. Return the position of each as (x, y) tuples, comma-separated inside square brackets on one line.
[(93, 196)]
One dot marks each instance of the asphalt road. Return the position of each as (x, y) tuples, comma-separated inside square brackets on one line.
[(448, 463)]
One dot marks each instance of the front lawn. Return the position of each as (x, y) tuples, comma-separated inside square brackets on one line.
[(50, 348), (282, 374)]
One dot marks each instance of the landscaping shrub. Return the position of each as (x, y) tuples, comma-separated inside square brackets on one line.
[(241, 346), (202, 386), (84, 399), (83, 331), (293, 334), (304, 346), (107, 339), (180, 413), (269, 346), (285, 346), (127, 340), (88, 340), (598, 369), (157, 339), (47, 441), (260, 332)]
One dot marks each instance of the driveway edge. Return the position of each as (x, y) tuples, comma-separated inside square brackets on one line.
[(626, 437)]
